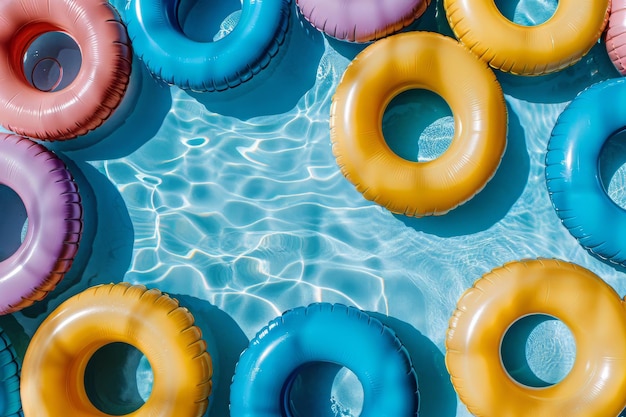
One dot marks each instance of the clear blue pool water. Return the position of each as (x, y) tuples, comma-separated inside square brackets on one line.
[(233, 203)]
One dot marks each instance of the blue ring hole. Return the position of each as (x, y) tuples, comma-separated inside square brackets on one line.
[(527, 12), (52, 61), (13, 222), (612, 168), (418, 125), (323, 389), (207, 20), (118, 379), (538, 351)]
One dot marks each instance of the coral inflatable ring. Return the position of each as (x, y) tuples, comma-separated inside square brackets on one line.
[(615, 40), (99, 85), (149, 320)]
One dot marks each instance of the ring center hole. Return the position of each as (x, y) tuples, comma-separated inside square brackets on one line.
[(612, 168), (418, 125), (527, 12), (538, 351), (118, 379), (207, 20), (52, 61), (13, 222), (323, 389)]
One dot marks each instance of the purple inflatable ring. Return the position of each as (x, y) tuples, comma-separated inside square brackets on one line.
[(53, 206), (361, 20)]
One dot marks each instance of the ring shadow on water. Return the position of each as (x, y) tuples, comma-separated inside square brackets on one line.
[(106, 245), (564, 85), (494, 201), (201, 19), (17, 335), (137, 119), (225, 343), (437, 395), (279, 86)]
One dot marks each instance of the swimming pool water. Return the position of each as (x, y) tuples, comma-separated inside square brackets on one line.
[(233, 203)]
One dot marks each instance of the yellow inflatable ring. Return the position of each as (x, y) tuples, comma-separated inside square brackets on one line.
[(555, 44), (418, 60), (590, 308), (54, 366)]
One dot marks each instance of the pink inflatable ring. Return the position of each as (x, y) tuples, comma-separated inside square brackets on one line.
[(54, 211), (615, 40), (361, 20), (99, 85)]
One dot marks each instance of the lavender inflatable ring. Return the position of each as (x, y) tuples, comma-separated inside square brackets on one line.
[(54, 211), (361, 20)]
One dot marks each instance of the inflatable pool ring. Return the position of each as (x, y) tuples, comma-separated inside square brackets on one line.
[(615, 40), (555, 44), (53, 206), (589, 307), (173, 57), (359, 20), (146, 319), (412, 61), (331, 333), (99, 85), (572, 171), (10, 405)]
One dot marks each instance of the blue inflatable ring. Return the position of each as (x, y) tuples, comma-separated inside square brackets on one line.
[(10, 404), (171, 56), (331, 333), (572, 169)]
